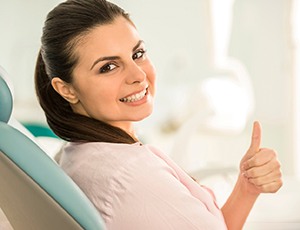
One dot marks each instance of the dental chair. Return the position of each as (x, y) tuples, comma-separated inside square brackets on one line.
[(35, 193)]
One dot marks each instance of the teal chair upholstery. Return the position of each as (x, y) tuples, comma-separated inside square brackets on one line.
[(35, 193), (5, 101)]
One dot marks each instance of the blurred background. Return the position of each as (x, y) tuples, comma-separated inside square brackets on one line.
[(221, 64)]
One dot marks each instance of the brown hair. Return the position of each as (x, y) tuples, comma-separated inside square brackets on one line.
[(64, 26)]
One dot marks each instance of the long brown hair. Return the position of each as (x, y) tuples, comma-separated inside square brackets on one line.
[(64, 26)]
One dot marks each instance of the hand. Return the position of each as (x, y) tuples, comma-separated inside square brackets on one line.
[(260, 168)]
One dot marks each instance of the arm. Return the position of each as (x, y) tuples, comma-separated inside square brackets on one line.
[(259, 173)]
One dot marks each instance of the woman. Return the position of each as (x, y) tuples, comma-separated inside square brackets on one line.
[(93, 80)]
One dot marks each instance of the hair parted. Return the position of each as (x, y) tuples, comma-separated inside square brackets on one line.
[(64, 27)]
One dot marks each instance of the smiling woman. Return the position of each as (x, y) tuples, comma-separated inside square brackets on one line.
[(93, 80), (120, 85), (56, 66)]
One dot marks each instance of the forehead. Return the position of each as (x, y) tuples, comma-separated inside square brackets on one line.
[(108, 39)]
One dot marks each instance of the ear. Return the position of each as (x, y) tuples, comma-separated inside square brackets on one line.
[(66, 90)]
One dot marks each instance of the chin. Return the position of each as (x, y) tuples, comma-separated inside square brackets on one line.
[(143, 116)]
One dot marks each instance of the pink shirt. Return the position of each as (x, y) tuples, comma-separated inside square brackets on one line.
[(137, 187)]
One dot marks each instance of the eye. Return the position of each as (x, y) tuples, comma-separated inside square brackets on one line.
[(107, 68), (139, 54)]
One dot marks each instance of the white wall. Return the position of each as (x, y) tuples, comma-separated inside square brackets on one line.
[(178, 34), (179, 40), (296, 79), (261, 38), (21, 27)]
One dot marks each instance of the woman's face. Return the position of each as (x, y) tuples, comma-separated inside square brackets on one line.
[(114, 80)]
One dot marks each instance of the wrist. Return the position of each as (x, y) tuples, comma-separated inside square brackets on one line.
[(245, 188), (239, 204)]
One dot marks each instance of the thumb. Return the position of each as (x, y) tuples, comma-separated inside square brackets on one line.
[(256, 137)]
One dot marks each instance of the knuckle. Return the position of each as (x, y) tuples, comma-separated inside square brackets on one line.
[(253, 162), (280, 183), (250, 173), (268, 188), (279, 174), (271, 153), (273, 187), (276, 165), (256, 181)]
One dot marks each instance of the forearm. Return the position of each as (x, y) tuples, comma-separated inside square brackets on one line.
[(238, 206)]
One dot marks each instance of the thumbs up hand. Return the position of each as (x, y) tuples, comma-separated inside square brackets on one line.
[(260, 168)]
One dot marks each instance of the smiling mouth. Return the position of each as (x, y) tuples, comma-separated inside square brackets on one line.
[(135, 97)]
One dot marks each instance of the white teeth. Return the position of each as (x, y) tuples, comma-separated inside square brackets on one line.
[(135, 97)]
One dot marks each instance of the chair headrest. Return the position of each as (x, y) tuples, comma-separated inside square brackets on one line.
[(6, 100)]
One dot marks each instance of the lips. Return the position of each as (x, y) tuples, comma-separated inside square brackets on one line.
[(135, 97)]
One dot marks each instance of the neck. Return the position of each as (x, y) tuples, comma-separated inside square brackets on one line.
[(128, 127)]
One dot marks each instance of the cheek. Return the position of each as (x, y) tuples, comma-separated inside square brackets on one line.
[(100, 103), (103, 95), (96, 97), (151, 74)]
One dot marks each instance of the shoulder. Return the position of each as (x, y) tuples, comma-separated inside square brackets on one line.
[(96, 150), (98, 155), (101, 162)]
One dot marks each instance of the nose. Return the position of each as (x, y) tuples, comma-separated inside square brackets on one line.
[(135, 74)]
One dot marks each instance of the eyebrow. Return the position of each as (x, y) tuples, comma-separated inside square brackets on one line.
[(110, 58)]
